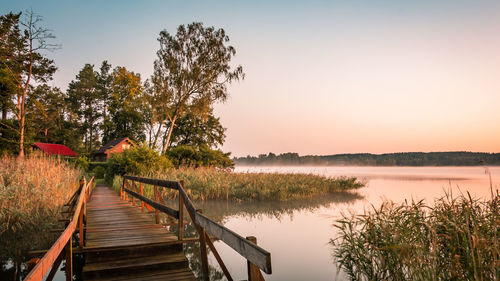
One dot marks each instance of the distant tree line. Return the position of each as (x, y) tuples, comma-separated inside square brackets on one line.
[(172, 108), (458, 158)]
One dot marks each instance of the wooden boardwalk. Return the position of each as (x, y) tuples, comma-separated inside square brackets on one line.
[(124, 243)]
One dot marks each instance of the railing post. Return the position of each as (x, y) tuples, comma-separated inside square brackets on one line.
[(254, 273), (203, 252), (80, 228), (80, 217), (142, 194), (69, 260), (181, 214), (157, 199), (121, 189)]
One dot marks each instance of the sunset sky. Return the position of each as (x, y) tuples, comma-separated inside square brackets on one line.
[(322, 77)]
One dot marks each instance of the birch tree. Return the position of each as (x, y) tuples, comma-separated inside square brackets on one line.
[(191, 73)]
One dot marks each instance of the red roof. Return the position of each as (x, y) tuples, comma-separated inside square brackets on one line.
[(55, 149)]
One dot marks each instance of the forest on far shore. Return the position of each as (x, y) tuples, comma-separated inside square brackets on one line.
[(453, 158)]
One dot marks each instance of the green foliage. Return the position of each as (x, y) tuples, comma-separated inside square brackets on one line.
[(126, 106), (196, 131), (21, 44), (191, 73), (203, 156), (99, 172), (139, 160), (82, 162), (93, 165), (458, 158), (456, 239), (84, 99)]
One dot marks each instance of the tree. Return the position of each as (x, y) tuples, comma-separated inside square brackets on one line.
[(85, 101), (48, 117), (10, 41), (195, 131), (104, 81), (191, 73), (22, 58), (126, 106)]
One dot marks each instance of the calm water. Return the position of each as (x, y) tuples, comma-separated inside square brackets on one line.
[(297, 233)]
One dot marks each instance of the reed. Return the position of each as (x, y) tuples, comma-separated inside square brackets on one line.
[(32, 191), (456, 238), (208, 183)]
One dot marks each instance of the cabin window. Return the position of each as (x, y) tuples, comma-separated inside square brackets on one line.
[(125, 146)]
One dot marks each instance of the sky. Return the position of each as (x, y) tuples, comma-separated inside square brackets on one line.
[(322, 77)]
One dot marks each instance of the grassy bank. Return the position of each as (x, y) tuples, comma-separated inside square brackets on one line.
[(204, 184), (32, 192), (455, 239)]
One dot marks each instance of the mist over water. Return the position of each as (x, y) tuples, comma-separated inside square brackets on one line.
[(297, 233)]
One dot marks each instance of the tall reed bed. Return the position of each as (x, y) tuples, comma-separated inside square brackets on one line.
[(457, 238), (206, 183), (32, 191)]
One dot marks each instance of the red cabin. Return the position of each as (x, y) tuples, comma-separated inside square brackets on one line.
[(54, 149), (114, 146)]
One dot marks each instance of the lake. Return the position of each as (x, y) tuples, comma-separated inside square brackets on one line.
[(297, 233)]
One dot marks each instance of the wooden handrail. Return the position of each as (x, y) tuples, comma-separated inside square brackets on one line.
[(250, 251), (65, 239)]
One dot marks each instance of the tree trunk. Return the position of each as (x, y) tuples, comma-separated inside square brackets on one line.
[(21, 138), (157, 134), (4, 112), (172, 124)]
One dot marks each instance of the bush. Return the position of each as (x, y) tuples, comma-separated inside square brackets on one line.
[(140, 160), (82, 162), (99, 172), (203, 156), (93, 165)]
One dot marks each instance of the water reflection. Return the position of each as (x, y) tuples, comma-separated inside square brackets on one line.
[(14, 247), (252, 218), (251, 213), (218, 210)]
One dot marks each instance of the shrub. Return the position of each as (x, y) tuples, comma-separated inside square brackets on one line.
[(82, 162), (99, 172), (140, 160), (93, 165), (203, 156)]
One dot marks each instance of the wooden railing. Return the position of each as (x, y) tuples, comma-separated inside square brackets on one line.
[(77, 206), (257, 258)]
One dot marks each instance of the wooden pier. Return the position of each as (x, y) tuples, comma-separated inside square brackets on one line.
[(121, 237), (127, 244)]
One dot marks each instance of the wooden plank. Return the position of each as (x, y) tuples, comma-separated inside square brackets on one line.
[(163, 208), (250, 251)]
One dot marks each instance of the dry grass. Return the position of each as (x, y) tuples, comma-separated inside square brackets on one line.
[(207, 183), (32, 191)]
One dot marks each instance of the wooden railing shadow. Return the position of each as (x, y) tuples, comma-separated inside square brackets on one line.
[(257, 258)]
